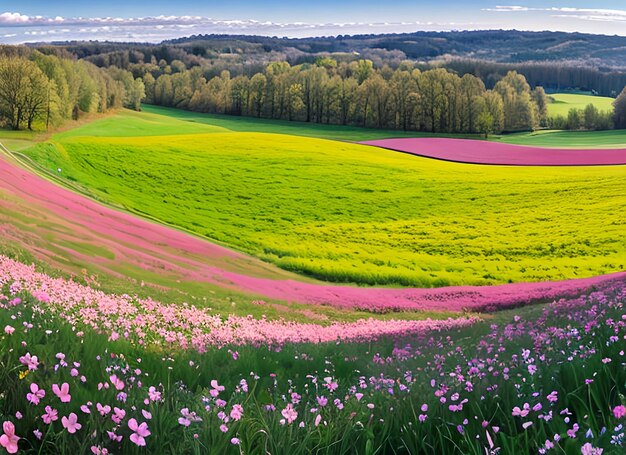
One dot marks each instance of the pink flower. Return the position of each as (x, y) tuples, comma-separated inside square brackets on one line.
[(103, 410), (237, 412), (289, 413), (114, 437), (188, 417), (118, 415), (147, 415), (9, 330), (588, 449), (31, 361), (154, 394), (140, 432), (517, 412), (70, 423), (36, 394), (63, 393), (215, 391), (619, 411), (117, 383), (9, 440), (318, 419), (50, 416), (184, 421), (572, 432), (97, 450)]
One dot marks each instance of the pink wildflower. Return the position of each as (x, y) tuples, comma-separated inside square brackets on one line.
[(63, 392), (70, 423), (31, 361), (35, 395), (9, 440), (289, 413), (140, 432)]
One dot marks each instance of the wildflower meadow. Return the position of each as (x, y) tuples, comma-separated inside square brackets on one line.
[(88, 372)]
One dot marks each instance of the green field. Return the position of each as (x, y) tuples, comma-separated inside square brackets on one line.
[(563, 102), (569, 139), (349, 213)]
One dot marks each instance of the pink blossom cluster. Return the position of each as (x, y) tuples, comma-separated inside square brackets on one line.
[(147, 321)]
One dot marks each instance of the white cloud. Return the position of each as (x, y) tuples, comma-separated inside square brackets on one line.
[(23, 28), (589, 14), (16, 19), (13, 18), (508, 9)]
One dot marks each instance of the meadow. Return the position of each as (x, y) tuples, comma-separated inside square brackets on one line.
[(568, 139), (343, 212), (88, 372), (563, 102), (102, 364)]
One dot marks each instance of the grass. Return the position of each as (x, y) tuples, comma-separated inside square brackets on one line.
[(129, 123), (569, 139), (563, 102), (349, 213)]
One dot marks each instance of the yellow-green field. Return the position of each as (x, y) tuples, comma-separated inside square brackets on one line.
[(349, 213)]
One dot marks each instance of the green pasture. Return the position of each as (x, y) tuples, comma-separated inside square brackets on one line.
[(563, 102), (569, 139)]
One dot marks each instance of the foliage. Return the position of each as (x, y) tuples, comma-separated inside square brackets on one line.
[(620, 110), (37, 90), (358, 94)]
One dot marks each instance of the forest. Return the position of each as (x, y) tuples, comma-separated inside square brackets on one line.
[(38, 91), (359, 94)]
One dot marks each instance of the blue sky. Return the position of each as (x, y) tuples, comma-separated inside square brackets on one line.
[(155, 20)]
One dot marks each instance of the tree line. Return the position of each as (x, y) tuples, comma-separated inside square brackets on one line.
[(38, 90), (553, 76), (357, 93), (44, 87)]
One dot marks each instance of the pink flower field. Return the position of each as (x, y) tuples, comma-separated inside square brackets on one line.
[(105, 374), (146, 321), (483, 152)]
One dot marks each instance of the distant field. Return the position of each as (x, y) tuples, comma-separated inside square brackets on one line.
[(563, 102), (349, 213), (131, 124), (569, 139)]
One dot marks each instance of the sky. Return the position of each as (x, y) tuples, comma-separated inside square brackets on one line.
[(157, 20)]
